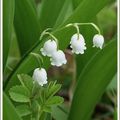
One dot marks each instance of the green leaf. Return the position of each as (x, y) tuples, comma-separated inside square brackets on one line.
[(47, 109), (55, 100), (115, 114), (76, 3), (86, 11), (59, 114), (9, 111), (19, 94), (33, 4), (23, 110), (48, 117), (35, 108), (52, 90), (93, 82), (26, 81), (113, 83), (65, 12), (8, 16), (49, 12), (26, 25), (37, 90), (28, 63)]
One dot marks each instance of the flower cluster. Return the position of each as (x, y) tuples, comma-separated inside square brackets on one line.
[(57, 57), (78, 43)]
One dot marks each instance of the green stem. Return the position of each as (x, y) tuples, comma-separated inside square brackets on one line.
[(38, 58), (40, 114), (92, 24), (43, 33), (52, 36), (77, 28), (30, 108)]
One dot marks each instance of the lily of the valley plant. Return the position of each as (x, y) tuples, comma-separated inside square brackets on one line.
[(37, 94)]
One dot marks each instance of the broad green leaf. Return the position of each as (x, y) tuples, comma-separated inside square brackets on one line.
[(8, 16), (65, 12), (13, 57), (59, 114), (93, 82), (19, 94), (34, 4), (26, 25), (113, 83), (9, 111), (23, 110), (28, 63), (76, 2), (50, 10), (26, 81), (55, 100), (86, 11)]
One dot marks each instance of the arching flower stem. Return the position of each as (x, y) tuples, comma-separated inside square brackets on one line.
[(38, 58), (51, 35), (92, 24), (43, 33), (77, 28)]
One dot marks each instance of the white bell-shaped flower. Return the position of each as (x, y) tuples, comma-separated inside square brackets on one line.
[(77, 45), (40, 76), (58, 58), (98, 41), (49, 48)]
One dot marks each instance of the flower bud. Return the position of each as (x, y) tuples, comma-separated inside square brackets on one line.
[(58, 58), (40, 76), (98, 41), (77, 44), (49, 48)]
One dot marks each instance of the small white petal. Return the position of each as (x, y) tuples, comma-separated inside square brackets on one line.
[(58, 58), (49, 48), (98, 41), (77, 45), (40, 76)]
